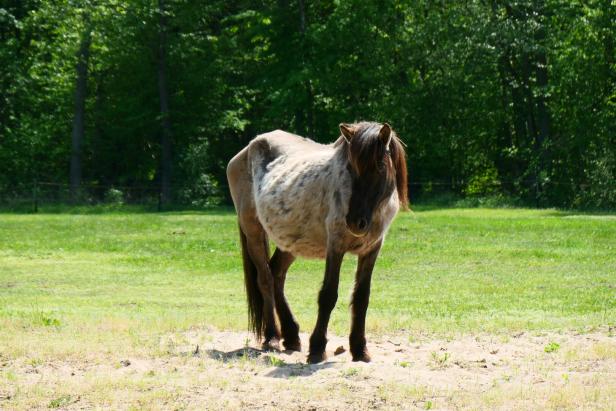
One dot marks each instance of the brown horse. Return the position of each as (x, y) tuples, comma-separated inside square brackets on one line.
[(316, 201)]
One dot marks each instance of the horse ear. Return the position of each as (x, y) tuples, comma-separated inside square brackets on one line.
[(347, 131), (385, 134)]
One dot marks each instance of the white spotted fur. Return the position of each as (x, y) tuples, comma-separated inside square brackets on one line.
[(294, 195)]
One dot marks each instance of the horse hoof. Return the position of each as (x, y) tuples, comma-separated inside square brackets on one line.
[(293, 345), (363, 356), (271, 345), (316, 358)]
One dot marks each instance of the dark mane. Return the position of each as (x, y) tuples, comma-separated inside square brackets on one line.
[(398, 157), (364, 152)]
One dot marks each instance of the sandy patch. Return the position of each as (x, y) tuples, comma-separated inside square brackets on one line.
[(208, 369)]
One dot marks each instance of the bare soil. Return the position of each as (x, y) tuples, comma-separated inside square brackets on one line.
[(209, 369)]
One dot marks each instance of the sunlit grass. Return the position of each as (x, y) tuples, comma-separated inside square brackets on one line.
[(119, 280)]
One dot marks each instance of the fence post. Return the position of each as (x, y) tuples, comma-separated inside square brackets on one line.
[(35, 197)]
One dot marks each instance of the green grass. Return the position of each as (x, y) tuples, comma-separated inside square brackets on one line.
[(115, 281)]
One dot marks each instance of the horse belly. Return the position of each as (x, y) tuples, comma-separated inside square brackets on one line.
[(298, 242), (294, 222), (293, 194)]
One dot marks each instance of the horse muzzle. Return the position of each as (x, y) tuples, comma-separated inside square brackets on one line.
[(359, 228)]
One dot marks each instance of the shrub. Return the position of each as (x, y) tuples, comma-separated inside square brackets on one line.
[(114, 196)]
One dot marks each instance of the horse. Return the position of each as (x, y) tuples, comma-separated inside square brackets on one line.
[(314, 201)]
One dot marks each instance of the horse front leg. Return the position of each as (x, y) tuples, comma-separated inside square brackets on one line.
[(359, 304), (327, 301)]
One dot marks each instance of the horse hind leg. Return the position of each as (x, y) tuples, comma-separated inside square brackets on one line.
[(279, 264), (255, 252), (259, 283)]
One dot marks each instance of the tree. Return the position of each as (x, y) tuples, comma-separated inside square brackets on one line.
[(512, 98), (77, 137)]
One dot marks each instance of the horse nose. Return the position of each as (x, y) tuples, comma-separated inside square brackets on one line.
[(362, 224)]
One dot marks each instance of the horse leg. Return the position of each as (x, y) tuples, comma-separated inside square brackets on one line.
[(359, 304), (279, 264), (327, 300), (258, 250)]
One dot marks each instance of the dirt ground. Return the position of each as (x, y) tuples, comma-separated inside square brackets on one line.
[(209, 369)]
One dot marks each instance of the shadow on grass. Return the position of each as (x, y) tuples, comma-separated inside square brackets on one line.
[(496, 201), (240, 353), (582, 214), (298, 370), (545, 212), (282, 369)]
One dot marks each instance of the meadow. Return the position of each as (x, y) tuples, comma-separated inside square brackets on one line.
[(87, 285)]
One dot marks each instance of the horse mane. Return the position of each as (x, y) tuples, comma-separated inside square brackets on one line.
[(398, 157)]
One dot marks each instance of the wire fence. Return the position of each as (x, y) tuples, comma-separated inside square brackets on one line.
[(44, 193), (31, 197)]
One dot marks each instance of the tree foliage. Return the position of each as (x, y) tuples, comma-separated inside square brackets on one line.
[(515, 97)]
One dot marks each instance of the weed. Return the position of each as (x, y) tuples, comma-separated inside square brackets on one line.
[(439, 361), (10, 375), (35, 362), (49, 321), (60, 401), (350, 372), (276, 362), (551, 347)]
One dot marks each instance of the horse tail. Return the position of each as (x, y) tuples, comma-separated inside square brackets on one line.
[(253, 293), (399, 159)]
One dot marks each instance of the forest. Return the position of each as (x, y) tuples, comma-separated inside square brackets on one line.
[(144, 100)]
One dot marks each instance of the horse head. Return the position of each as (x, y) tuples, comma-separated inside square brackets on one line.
[(376, 161)]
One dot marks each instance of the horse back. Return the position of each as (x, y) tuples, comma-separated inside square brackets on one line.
[(298, 187)]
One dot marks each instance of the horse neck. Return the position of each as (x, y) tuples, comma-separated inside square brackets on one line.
[(341, 151)]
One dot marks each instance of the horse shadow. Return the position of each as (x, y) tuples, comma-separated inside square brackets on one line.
[(282, 368)]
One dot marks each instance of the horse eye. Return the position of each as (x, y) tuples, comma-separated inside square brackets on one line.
[(382, 165)]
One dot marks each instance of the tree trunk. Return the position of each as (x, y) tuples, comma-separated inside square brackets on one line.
[(302, 18), (514, 133), (541, 71), (309, 115), (543, 116), (77, 136), (507, 166), (518, 106), (529, 100), (163, 93)]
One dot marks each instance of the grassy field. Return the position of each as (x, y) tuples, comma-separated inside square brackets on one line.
[(440, 271), (75, 287)]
